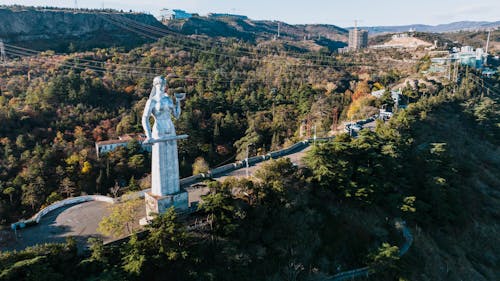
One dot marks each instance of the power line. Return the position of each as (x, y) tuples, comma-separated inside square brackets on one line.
[(146, 30), (29, 52), (75, 65), (103, 63)]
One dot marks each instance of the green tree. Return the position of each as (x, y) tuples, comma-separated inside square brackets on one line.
[(67, 187), (53, 197), (385, 258), (133, 185), (136, 162), (33, 193), (218, 204), (164, 250), (10, 192)]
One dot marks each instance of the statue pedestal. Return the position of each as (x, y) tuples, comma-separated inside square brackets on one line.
[(160, 204)]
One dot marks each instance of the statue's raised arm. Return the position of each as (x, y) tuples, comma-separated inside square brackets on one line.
[(178, 98), (145, 120)]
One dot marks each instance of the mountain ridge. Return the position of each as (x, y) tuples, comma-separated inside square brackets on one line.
[(440, 28)]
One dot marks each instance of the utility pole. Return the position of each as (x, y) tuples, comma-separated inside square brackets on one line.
[(335, 119), (482, 87), (3, 57), (467, 78), (248, 151), (449, 70), (487, 47), (314, 137)]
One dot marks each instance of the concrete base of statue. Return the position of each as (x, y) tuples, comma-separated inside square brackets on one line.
[(160, 204)]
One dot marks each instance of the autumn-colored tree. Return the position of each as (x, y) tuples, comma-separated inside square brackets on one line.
[(362, 89), (121, 219), (200, 166)]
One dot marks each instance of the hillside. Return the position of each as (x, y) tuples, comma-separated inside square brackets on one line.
[(57, 29), (44, 29), (251, 29), (442, 40)]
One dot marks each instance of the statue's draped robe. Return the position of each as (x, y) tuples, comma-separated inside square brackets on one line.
[(165, 163)]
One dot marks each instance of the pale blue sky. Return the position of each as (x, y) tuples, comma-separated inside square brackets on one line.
[(342, 13)]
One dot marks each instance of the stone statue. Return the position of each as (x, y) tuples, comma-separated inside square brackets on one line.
[(165, 188)]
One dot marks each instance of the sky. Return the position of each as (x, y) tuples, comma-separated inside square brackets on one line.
[(341, 13)]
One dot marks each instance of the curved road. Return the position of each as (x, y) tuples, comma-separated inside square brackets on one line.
[(79, 221)]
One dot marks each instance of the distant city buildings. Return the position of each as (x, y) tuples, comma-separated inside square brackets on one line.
[(465, 56), (358, 39), (175, 14), (395, 95)]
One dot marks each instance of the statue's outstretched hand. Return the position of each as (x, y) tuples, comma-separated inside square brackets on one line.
[(180, 96)]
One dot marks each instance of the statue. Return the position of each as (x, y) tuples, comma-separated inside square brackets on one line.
[(165, 187)]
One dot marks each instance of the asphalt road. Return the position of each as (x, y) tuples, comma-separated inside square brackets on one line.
[(79, 221)]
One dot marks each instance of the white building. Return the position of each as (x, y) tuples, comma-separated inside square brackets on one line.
[(395, 95), (110, 145)]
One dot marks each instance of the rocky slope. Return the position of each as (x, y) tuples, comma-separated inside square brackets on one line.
[(57, 29), (245, 28)]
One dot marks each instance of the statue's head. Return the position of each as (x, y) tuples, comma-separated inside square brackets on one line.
[(161, 82)]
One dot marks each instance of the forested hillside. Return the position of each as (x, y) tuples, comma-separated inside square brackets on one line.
[(436, 165), (54, 107)]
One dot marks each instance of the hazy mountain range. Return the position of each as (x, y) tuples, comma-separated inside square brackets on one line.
[(449, 27)]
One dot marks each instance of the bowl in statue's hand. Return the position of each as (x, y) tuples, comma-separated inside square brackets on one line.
[(180, 96)]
